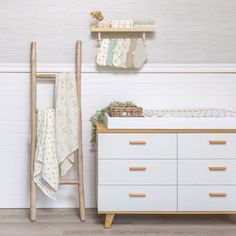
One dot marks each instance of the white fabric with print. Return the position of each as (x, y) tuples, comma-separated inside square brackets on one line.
[(124, 53), (102, 52), (46, 174), (117, 53), (140, 54), (126, 23), (66, 120)]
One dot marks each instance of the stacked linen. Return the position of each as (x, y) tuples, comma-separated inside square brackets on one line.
[(126, 23), (144, 23), (122, 53), (129, 23)]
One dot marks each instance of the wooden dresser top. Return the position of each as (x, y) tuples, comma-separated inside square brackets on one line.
[(101, 128)]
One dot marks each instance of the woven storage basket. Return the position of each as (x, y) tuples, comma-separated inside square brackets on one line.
[(119, 111)]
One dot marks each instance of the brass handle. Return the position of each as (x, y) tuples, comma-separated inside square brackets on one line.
[(216, 168), (137, 142), (137, 168), (217, 194), (137, 195), (217, 142)]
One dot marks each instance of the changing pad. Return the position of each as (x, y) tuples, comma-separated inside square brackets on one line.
[(189, 113), (176, 119)]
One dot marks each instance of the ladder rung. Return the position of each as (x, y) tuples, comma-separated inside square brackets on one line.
[(68, 181), (46, 77)]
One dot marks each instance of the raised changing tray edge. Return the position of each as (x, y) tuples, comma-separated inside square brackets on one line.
[(101, 128), (172, 123)]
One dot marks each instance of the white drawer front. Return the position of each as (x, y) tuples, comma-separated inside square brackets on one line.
[(137, 198), (137, 146), (196, 198), (128, 172), (207, 146), (205, 172)]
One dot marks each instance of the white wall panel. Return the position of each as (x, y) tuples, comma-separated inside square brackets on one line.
[(98, 90)]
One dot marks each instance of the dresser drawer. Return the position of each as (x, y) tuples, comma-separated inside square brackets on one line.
[(128, 172), (137, 198), (205, 172), (207, 146), (137, 146), (207, 198)]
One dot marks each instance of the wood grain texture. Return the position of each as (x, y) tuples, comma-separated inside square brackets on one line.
[(217, 142), (33, 60), (101, 128), (108, 220), (58, 222), (80, 168), (94, 28)]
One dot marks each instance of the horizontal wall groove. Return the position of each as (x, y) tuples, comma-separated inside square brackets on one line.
[(147, 68)]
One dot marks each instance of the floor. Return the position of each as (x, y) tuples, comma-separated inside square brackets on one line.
[(15, 222)]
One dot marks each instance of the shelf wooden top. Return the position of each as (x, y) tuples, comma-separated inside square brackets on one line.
[(101, 128), (94, 28)]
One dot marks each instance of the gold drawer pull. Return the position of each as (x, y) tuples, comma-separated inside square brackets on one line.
[(137, 142), (217, 142), (217, 194), (137, 195), (216, 168), (137, 168)]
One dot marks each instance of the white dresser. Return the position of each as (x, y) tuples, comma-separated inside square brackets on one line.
[(165, 172)]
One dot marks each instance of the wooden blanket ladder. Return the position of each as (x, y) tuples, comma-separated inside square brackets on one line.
[(50, 77)]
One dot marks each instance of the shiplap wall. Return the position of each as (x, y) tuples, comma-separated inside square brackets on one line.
[(188, 31), (98, 90)]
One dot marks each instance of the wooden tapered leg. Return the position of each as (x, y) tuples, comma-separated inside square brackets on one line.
[(33, 132), (80, 150), (108, 220)]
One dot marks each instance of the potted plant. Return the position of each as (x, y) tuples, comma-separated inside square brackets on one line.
[(98, 16), (98, 117)]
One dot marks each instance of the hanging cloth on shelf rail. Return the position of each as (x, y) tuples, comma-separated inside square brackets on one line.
[(112, 46), (102, 52), (133, 44), (122, 53), (139, 55)]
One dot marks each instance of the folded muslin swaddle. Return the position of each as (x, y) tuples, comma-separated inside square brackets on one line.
[(66, 120), (46, 174)]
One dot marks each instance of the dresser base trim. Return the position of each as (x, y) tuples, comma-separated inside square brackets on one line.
[(169, 212), (109, 215)]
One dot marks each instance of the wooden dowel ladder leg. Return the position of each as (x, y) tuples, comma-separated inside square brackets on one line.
[(33, 132), (80, 151)]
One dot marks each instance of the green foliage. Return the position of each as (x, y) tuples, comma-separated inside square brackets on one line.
[(98, 117)]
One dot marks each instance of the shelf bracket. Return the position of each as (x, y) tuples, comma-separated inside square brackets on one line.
[(144, 35), (99, 36)]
